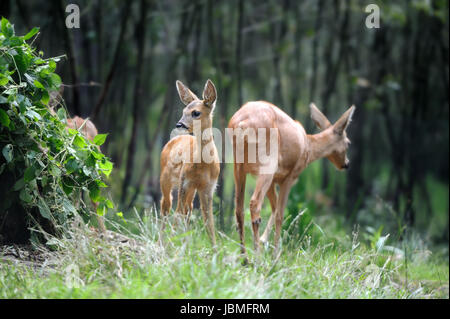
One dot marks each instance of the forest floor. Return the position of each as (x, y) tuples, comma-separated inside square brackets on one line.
[(133, 262)]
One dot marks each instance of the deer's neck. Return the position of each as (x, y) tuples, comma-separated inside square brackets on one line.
[(320, 145), (208, 138)]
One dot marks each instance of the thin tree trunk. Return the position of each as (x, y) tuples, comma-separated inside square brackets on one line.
[(315, 53), (68, 45), (238, 60), (95, 112), (140, 39)]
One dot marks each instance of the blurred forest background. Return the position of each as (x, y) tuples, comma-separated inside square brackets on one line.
[(123, 61)]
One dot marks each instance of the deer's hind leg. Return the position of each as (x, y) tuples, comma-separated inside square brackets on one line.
[(263, 183), (166, 198)]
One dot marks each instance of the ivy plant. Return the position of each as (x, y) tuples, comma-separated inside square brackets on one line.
[(43, 164)]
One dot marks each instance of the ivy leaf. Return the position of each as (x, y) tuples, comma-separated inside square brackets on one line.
[(99, 139), (43, 208), (3, 80), (19, 184), (7, 28), (8, 153), (25, 195), (30, 34), (4, 118), (94, 192), (79, 141), (38, 84), (106, 167), (30, 174)]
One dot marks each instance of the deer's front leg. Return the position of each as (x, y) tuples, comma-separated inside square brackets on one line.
[(239, 196), (189, 203), (272, 195), (183, 190), (206, 197), (285, 188)]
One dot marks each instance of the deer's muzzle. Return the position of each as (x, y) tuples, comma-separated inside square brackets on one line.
[(181, 125)]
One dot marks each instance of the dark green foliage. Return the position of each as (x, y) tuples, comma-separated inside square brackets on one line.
[(43, 165)]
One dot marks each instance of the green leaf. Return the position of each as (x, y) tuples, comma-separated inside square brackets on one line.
[(109, 204), (71, 165), (43, 208), (61, 113), (7, 28), (25, 195), (79, 141), (99, 139), (8, 153), (55, 80), (94, 192), (101, 209), (52, 66), (67, 185), (105, 166), (4, 118), (45, 98), (30, 174), (19, 184), (30, 34), (3, 80), (38, 84), (69, 207)]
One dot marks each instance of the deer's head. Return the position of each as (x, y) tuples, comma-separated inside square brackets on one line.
[(336, 137), (197, 109)]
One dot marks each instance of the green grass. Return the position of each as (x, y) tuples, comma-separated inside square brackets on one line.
[(132, 262)]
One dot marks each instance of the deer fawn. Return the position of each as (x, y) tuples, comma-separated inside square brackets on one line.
[(296, 150), (183, 165), (88, 129)]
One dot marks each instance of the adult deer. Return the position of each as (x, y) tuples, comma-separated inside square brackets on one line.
[(296, 150), (86, 127), (191, 163)]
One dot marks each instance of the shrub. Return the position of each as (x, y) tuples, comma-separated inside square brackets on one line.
[(44, 166)]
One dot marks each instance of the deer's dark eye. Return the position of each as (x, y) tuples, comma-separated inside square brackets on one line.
[(195, 113)]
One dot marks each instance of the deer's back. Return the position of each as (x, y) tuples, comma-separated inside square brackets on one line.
[(291, 134)]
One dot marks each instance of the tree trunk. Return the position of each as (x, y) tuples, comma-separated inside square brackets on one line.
[(140, 39)]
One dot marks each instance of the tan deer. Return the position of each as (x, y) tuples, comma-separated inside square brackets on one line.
[(296, 150), (86, 127), (183, 161)]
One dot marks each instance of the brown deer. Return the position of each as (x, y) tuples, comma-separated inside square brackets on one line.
[(184, 163), (296, 150), (86, 127)]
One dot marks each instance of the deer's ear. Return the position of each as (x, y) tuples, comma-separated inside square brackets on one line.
[(186, 95), (318, 117), (341, 125), (209, 94)]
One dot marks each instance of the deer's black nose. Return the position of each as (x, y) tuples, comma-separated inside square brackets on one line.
[(345, 166), (181, 125)]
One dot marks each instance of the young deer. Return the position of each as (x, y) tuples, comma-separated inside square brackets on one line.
[(296, 150), (183, 161), (88, 129)]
